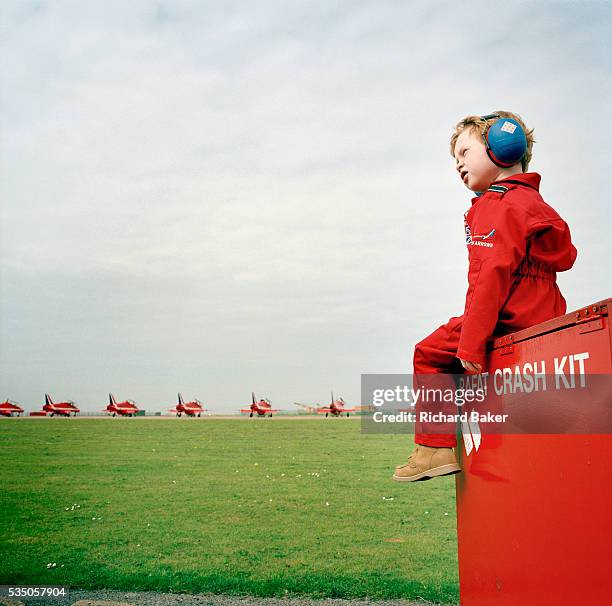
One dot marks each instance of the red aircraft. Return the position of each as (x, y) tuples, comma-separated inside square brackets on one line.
[(336, 408), (191, 409), (63, 409), (123, 409), (262, 408), (8, 408)]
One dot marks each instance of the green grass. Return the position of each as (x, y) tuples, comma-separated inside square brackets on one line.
[(203, 506)]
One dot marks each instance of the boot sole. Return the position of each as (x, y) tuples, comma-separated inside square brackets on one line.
[(443, 470)]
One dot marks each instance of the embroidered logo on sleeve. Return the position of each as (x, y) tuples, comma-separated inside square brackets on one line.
[(478, 239)]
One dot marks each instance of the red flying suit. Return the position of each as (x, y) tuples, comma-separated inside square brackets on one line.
[(516, 243)]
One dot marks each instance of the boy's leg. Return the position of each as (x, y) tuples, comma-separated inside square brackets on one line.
[(435, 360)]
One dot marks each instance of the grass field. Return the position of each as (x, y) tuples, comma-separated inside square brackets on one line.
[(266, 507)]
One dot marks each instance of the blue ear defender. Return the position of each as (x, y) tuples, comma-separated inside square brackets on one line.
[(505, 141)]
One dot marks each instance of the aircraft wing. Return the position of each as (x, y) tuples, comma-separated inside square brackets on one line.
[(323, 410)]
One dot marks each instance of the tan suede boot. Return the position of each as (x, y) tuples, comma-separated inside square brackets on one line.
[(425, 463)]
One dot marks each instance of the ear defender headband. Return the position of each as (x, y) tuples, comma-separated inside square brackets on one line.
[(505, 141)]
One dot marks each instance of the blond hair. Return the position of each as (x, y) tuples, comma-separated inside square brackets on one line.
[(479, 126)]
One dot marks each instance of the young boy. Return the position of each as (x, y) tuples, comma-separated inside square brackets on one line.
[(516, 243)]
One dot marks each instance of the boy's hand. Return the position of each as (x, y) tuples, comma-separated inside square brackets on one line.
[(471, 366)]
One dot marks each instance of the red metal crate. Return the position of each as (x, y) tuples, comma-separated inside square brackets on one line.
[(534, 512)]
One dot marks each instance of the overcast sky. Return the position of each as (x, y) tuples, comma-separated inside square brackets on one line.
[(220, 197)]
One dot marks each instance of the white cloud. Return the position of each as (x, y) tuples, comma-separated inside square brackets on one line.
[(221, 198)]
